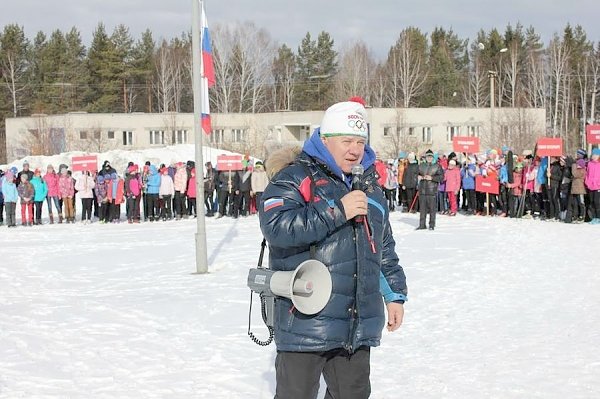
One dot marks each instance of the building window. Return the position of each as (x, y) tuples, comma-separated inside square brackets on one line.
[(82, 135), (216, 137), (180, 136), (127, 138), (157, 137), (110, 135), (97, 134), (238, 135), (387, 131), (411, 131), (473, 131), (427, 134), (505, 130), (452, 131)]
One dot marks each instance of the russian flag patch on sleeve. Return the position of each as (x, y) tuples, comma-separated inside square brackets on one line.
[(272, 203)]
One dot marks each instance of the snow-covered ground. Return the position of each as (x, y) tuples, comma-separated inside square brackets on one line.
[(498, 308)]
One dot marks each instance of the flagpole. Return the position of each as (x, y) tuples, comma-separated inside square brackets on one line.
[(197, 80)]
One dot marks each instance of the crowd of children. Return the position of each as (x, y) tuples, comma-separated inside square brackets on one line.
[(558, 189), (562, 188), (150, 193)]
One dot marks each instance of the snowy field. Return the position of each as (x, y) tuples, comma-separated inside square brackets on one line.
[(497, 308)]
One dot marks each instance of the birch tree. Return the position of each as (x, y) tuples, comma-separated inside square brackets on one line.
[(356, 72), (407, 66), (558, 58), (14, 47)]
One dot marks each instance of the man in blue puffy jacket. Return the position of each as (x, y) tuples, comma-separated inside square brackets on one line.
[(308, 211)]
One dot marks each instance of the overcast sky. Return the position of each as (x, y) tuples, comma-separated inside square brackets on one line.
[(377, 22)]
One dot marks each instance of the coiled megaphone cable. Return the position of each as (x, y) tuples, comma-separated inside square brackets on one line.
[(263, 311)]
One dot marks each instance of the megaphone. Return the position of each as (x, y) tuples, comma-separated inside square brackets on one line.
[(308, 286)]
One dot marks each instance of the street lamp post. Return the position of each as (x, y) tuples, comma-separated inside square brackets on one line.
[(492, 75)]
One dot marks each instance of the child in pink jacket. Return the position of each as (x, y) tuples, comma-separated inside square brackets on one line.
[(452, 177), (592, 181), (66, 189)]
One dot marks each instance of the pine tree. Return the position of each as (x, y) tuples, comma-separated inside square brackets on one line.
[(76, 72), (142, 71), (446, 65), (316, 69), (304, 87), (104, 66), (284, 66), (123, 45)]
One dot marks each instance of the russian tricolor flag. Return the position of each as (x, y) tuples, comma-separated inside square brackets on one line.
[(207, 72)]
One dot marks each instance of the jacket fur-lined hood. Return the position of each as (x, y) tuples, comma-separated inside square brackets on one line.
[(280, 159)]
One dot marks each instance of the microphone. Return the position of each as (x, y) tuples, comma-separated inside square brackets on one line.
[(357, 172)]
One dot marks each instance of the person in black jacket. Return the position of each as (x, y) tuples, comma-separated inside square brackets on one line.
[(242, 200), (554, 174), (431, 175), (308, 212), (25, 171), (229, 187), (209, 189), (409, 182)]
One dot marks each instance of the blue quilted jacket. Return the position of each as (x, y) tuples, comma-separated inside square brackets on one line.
[(354, 315)]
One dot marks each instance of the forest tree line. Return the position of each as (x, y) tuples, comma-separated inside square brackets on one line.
[(57, 73)]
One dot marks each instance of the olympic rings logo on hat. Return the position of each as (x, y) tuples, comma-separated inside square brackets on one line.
[(358, 125)]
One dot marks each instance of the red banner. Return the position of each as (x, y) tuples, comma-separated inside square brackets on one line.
[(487, 185), (470, 145), (229, 162), (85, 162), (593, 134), (549, 147)]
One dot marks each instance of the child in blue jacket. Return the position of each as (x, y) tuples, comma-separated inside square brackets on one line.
[(9, 191)]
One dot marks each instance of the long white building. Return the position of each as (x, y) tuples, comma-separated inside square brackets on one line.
[(391, 130)]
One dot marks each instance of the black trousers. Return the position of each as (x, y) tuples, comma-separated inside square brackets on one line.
[(179, 204), (145, 205), (553, 202), (1, 211), (390, 195), (575, 208), (504, 198), (243, 203), (513, 205), (165, 210), (346, 375), (104, 212), (209, 201), (226, 203), (86, 208), (114, 210), (471, 200), (38, 209), (133, 208), (95, 205), (192, 206), (153, 208), (595, 203), (410, 197), (427, 205)]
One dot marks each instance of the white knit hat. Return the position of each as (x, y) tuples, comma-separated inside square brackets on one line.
[(347, 118)]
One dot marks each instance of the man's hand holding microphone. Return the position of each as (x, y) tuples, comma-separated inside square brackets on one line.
[(355, 202)]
